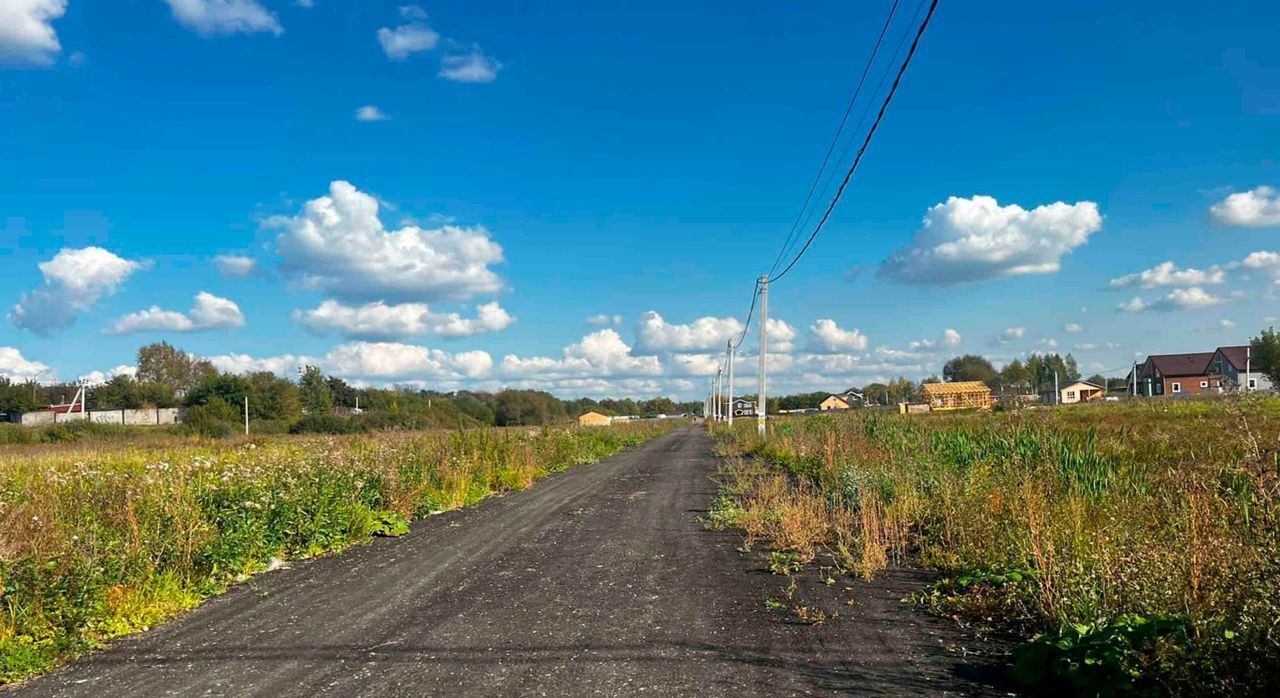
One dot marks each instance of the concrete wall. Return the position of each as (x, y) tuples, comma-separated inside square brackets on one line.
[(147, 418)]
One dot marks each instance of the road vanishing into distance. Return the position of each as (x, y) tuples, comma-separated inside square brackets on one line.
[(600, 580)]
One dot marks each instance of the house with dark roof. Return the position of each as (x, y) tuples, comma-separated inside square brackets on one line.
[(1176, 374), (742, 407), (1237, 369)]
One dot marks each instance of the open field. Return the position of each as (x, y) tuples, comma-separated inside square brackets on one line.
[(102, 540), (1137, 543)]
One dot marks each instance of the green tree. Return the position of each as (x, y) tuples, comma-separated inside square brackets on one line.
[(1073, 368), (526, 407), (272, 397), (317, 398), (1264, 354), (15, 397), (657, 406), (166, 364), (124, 392), (1015, 374), (876, 393), (475, 408), (903, 390), (1043, 367), (802, 401), (226, 388), (970, 367), (343, 394)]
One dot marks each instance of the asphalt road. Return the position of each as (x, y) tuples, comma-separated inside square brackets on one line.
[(597, 581)]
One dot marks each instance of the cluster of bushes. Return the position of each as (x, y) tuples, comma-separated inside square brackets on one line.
[(99, 545)]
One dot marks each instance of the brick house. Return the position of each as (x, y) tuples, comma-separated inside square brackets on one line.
[(1177, 374)]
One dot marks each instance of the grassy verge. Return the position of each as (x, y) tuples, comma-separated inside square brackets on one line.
[(98, 543), (1135, 547)]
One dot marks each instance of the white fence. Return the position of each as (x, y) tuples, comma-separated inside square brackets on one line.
[(155, 416)]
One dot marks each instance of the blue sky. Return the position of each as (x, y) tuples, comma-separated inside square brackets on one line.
[(534, 165)]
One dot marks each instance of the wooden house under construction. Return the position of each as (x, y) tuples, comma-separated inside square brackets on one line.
[(961, 395)]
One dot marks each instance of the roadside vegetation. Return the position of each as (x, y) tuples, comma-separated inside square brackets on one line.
[(1130, 548), (101, 540)]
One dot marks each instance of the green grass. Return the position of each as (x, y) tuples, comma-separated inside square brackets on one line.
[(1138, 542), (100, 542)]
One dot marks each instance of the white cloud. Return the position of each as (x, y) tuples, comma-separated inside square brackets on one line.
[(308, 4), (371, 113), (473, 66), (1168, 274), (1049, 343), (393, 360), (826, 337), (339, 245), (1178, 299), (1262, 261), (380, 361), (696, 364), (100, 377), (16, 367), (975, 239), (26, 31), (654, 334), (1223, 324), (73, 281), (284, 365), (602, 320), (213, 17), (1091, 346), (372, 320), (236, 266), (1256, 208), (781, 335), (407, 39), (1072, 328), (490, 317), (412, 12), (209, 313), (382, 321), (950, 338), (1011, 334), (601, 353)]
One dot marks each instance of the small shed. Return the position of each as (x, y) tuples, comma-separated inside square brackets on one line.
[(961, 395), (594, 419)]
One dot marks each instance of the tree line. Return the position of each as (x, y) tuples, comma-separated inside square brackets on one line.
[(170, 377)]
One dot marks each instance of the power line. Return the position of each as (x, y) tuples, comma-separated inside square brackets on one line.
[(844, 154), (795, 227), (897, 81), (750, 311)]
